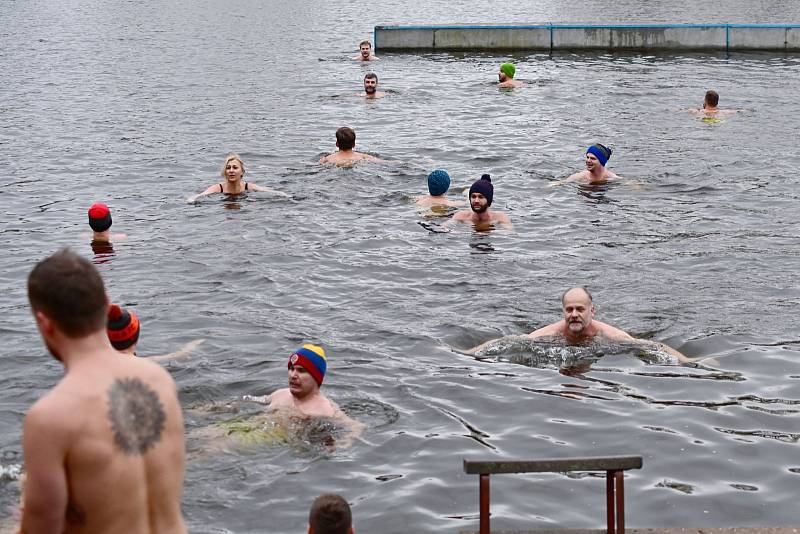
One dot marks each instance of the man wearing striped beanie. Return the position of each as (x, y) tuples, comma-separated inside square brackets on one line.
[(307, 366)]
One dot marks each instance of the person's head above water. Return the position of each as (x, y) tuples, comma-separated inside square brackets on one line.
[(67, 297), (307, 366), (330, 514), (370, 83), (507, 70), (233, 168), (123, 328), (578, 309), (345, 138), (438, 182), (99, 217), (481, 193), (711, 99), (365, 48), (601, 152)]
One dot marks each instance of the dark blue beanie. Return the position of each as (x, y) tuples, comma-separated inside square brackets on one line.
[(601, 152), (438, 182), (484, 187)]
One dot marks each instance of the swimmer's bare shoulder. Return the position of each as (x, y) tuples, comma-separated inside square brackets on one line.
[(79, 441), (552, 330)]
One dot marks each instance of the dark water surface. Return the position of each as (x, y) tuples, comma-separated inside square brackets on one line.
[(136, 104)]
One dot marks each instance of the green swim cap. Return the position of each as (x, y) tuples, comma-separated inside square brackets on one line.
[(508, 69)]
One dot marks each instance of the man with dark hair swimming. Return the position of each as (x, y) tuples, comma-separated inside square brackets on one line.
[(365, 52), (597, 156), (481, 194), (330, 514), (345, 155), (579, 327), (371, 86)]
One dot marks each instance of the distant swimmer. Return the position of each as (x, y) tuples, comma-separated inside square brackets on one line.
[(100, 223), (330, 514), (104, 449), (365, 52), (371, 86), (123, 329), (506, 76), (233, 171), (597, 156), (481, 194), (346, 156), (438, 185), (579, 327), (711, 107)]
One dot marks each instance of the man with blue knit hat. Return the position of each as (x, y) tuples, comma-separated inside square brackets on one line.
[(307, 367), (481, 194), (438, 185), (597, 156)]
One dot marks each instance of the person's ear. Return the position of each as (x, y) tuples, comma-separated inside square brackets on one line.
[(45, 324), (593, 310)]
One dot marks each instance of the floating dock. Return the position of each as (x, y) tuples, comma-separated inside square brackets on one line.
[(567, 37)]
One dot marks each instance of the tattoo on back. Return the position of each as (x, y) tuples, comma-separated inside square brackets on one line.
[(136, 414)]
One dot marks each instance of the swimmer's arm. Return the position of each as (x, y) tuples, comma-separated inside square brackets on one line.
[(210, 191), (260, 188), (487, 344), (505, 221), (665, 348), (45, 494), (179, 354)]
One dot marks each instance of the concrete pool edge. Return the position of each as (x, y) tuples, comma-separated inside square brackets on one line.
[(555, 37)]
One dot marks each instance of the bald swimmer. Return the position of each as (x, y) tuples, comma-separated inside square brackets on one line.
[(579, 327)]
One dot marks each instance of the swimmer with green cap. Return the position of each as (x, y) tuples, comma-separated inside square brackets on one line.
[(506, 76)]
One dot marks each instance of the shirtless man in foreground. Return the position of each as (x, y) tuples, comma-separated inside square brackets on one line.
[(481, 194), (579, 327), (104, 449), (345, 141)]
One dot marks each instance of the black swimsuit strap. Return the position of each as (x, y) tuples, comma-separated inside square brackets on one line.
[(221, 190)]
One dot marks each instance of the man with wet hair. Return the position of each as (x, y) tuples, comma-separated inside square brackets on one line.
[(579, 327), (345, 155), (330, 514), (371, 86), (711, 101), (365, 52), (104, 449)]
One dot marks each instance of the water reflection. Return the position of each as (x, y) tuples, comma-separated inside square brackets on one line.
[(103, 252)]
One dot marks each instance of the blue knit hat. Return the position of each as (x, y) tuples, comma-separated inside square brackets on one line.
[(438, 182), (601, 152), (484, 187)]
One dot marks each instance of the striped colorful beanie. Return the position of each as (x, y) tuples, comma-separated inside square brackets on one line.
[(311, 358), (122, 327)]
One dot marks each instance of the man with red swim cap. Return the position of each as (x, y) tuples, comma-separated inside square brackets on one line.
[(307, 366), (100, 222)]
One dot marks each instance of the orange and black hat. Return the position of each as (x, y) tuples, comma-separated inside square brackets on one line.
[(123, 327), (99, 217)]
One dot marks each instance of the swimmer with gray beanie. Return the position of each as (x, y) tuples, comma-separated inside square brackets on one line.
[(506, 77), (481, 195), (597, 156), (438, 185)]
